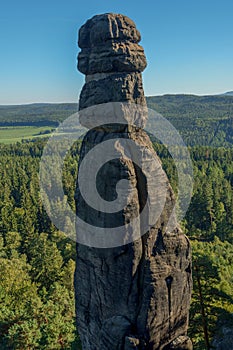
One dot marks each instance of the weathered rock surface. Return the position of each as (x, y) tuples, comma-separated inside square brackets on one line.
[(137, 295), (224, 339), (124, 87), (109, 43)]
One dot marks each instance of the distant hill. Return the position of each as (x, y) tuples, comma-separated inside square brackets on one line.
[(201, 120), (36, 114), (229, 93)]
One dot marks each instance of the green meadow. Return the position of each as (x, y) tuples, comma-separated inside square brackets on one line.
[(14, 134)]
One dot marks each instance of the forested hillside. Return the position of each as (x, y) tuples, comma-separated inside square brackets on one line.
[(37, 261), (37, 114), (201, 120)]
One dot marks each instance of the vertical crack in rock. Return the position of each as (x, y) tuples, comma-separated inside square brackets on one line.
[(135, 295), (169, 280)]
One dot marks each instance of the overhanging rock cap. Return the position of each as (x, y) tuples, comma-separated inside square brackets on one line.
[(109, 43)]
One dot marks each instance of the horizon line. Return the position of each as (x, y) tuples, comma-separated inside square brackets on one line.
[(75, 102)]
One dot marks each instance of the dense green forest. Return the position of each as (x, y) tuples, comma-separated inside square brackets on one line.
[(37, 261)]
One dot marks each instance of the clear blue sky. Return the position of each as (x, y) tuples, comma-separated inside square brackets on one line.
[(188, 44)]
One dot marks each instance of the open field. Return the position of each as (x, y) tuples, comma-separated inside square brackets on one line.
[(14, 134)]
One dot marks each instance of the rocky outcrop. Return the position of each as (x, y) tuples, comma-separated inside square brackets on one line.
[(133, 295)]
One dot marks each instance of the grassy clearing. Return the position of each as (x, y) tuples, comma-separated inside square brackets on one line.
[(16, 134)]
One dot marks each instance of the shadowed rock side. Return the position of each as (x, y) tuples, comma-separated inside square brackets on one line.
[(135, 296)]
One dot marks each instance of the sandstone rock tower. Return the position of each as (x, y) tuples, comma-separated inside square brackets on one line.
[(137, 295)]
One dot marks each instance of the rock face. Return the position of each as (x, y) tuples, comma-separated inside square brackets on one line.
[(135, 295), (224, 339)]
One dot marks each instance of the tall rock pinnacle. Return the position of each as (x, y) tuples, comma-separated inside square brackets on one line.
[(132, 287)]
